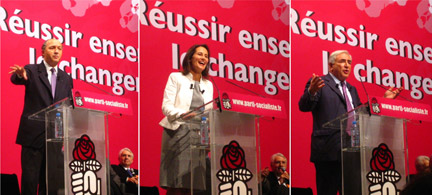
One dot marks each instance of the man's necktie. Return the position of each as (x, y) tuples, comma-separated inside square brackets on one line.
[(129, 172), (53, 81), (350, 118)]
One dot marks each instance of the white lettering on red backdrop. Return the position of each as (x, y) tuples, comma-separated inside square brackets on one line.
[(119, 82), (359, 37)]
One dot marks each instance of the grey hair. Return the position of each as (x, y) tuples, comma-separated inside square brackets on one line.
[(277, 154), (422, 158), (127, 149), (420, 164), (332, 57)]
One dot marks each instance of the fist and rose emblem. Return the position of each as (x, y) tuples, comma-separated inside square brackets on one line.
[(233, 174), (84, 179), (383, 176)]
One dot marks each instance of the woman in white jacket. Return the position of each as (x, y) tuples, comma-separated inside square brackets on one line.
[(184, 91)]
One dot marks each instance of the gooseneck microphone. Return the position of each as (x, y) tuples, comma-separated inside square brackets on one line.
[(398, 95), (367, 95), (218, 99), (100, 89), (245, 89)]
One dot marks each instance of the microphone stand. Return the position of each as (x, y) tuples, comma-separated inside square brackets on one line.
[(217, 100), (367, 95)]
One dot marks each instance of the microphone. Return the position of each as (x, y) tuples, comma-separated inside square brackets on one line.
[(71, 99), (393, 92), (100, 89), (245, 88), (249, 91), (367, 95), (218, 101), (202, 92), (283, 169)]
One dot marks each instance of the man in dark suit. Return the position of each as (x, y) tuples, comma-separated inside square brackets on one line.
[(276, 181), (324, 97), (128, 176), (39, 81)]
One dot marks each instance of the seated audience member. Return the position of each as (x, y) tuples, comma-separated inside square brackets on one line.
[(276, 181), (422, 167), (128, 176), (115, 183), (422, 184), (422, 164)]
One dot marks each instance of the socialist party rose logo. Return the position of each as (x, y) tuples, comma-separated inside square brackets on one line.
[(226, 101), (78, 99), (375, 106), (234, 174), (382, 159), (84, 179), (383, 175), (84, 149), (233, 156)]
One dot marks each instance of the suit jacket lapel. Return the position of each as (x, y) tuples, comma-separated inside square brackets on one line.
[(43, 76), (333, 86)]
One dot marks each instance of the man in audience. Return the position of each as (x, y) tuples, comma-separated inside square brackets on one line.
[(422, 164), (128, 176), (421, 184), (276, 181)]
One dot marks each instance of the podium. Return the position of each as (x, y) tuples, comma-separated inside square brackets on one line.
[(374, 152), (76, 159), (228, 163)]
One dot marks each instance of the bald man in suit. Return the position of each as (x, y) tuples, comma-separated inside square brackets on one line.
[(39, 80)]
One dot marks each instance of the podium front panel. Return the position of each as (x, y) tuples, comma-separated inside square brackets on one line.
[(378, 164), (234, 149), (76, 162)]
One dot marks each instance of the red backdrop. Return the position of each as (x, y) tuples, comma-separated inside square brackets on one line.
[(371, 30), (87, 20), (269, 19), (359, 20)]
